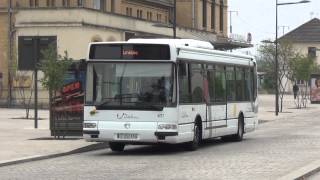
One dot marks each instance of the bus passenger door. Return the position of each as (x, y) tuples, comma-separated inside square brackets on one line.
[(216, 101), (219, 106)]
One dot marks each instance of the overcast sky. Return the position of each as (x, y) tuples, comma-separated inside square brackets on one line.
[(258, 17)]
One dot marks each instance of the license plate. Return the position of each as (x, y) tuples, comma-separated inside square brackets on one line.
[(127, 136)]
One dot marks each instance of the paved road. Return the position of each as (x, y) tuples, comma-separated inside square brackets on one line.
[(274, 150)]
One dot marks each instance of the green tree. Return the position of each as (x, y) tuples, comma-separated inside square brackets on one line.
[(54, 68), (266, 63), (302, 67)]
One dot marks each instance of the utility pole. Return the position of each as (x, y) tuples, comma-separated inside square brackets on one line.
[(10, 32), (284, 28), (277, 65), (175, 19), (36, 53), (230, 16)]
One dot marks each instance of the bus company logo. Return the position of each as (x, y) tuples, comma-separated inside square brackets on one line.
[(130, 53), (127, 125), (126, 116)]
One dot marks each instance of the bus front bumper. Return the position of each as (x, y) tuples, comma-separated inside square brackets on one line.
[(137, 134)]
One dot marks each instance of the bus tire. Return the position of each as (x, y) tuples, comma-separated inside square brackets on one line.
[(116, 147), (197, 137), (239, 136)]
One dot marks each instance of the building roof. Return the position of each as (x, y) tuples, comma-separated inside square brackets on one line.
[(307, 32)]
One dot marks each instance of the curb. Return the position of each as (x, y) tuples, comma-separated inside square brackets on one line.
[(304, 172), (93, 147)]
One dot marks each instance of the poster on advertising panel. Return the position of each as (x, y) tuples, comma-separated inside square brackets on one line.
[(315, 89)]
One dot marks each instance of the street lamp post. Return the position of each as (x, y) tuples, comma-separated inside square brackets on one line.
[(230, 16), (174, 19), (276, 56)]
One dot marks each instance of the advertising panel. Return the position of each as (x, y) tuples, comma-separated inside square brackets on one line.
[(67, 113), (315, 88)]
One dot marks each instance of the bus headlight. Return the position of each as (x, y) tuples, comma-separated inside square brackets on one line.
[(167, 126), (89, 125)]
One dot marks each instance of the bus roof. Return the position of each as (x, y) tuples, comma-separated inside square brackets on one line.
[(186, 45)]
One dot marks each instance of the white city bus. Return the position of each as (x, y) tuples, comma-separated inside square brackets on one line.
[(150, 91)]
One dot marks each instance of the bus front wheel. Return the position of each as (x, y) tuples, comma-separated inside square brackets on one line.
[(117, 147), (194, 144)]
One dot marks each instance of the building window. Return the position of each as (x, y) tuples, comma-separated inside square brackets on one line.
[(221, 15), (31, 3), (80, 3), (66, 3), (312, 52), (213, 14), (36, 3), (99, 5), (159, 17), (103, 5), (129, 11), (149, 16), (112, 5), (139, 14), (51, 3), (204, 13), (30, 48), (96, 4)]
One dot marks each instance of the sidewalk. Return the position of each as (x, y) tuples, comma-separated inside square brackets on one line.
[(267, 108), (19, 140)]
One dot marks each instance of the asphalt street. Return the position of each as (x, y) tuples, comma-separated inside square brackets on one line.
[(274, 150)]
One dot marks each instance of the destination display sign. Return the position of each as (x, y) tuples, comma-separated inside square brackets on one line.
[(129, 52)]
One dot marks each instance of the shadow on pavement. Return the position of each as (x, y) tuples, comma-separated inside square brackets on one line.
[(52, 138), (30, 118), (164, 149)]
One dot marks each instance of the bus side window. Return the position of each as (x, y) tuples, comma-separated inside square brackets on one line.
[(220, 84), (247, 83), (240, 85), (231, 86), (184, 83), (211, 82), (197, 83), (254, 82)]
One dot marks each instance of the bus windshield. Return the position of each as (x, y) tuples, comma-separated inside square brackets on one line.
[(130, 85)]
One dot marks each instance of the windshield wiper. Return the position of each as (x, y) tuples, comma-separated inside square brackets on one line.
[(104, 102)]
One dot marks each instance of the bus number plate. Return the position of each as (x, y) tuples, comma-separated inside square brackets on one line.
[(127, 136)]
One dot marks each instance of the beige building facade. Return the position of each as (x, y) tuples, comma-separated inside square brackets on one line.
[(207, 15), (75, 23), (305, 39)]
